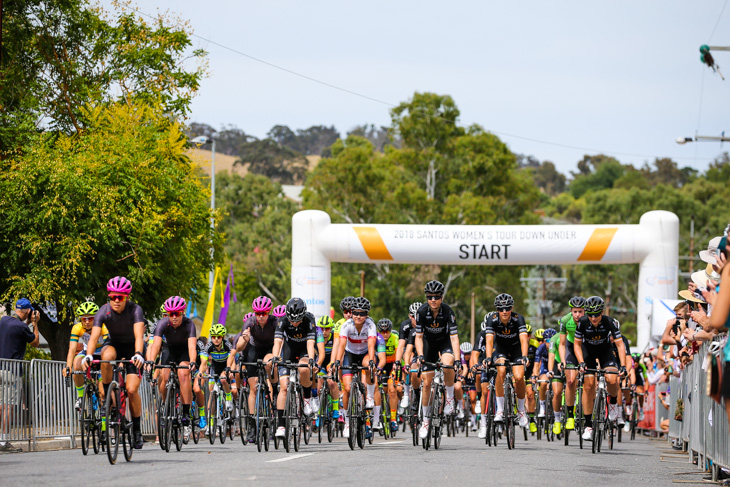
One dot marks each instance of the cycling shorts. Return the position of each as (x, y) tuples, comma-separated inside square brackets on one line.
[(604, 358), (125, 351), (570, 358), (352, 359), (510, 351), (292, 354), (432, 351)]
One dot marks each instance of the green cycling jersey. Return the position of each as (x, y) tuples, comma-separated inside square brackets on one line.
[(567, 326)]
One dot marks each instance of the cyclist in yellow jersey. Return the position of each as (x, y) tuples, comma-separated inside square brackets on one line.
[(80, 334)]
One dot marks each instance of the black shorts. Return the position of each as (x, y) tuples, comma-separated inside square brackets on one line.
[(639, 377), (388, 368), (177, 355), (510, 351), (570, 358), (556, 373), (125, 351), (291, 354), (603, 357), (432, 351), (252, 354), (217, 368), (352, 359), (725, 386)]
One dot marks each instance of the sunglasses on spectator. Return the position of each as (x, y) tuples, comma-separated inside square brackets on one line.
[(360, 313), (434, 298), (262, 313), (501, 308), (174, 314), (117, 297)]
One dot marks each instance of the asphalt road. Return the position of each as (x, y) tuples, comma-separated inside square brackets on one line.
[(646, 462)]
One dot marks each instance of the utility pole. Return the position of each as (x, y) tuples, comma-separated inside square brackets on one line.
[(473, 315), (707, 58), (362, 283), (691, 243)]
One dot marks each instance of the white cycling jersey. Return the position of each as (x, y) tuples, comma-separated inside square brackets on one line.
[(357, 342)]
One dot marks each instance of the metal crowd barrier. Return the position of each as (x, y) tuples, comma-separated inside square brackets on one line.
[(704, 425), (36, 403), (52, 402), (15, 407)]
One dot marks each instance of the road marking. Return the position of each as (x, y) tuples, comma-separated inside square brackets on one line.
[(386, 443), (293, 457)]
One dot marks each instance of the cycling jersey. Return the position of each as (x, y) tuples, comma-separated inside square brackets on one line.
[(120, 325), (506, 333), (567, 327), (297, 336), (327, 343), (531, 351), (436, 328), (627, 348), (79, 334), (337, 327), (555, 348), (388, 346), (597, 337), (262, 337), (480, 345), (541, 357), (217, 356), (357, 341), (405, 328), (176, 337)]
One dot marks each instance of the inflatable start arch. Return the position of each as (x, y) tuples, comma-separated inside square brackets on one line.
[(653, 243)]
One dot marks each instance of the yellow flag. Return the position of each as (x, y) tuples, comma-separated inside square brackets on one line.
[(208, 321)]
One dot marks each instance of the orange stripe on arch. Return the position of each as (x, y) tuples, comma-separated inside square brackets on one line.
[(373, 243), (598, 244)]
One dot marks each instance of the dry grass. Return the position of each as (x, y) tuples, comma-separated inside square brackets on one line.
[(225, 163)]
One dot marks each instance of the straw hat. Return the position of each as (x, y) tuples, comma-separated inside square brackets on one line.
[(688, 296), (701, 277)]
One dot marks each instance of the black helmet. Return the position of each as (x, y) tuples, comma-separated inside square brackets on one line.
[(347, 303), (361, 303), (434, 287), (385, 325), (504, 300), (413, 308), (577, 302), (295, 309), (594, 305)]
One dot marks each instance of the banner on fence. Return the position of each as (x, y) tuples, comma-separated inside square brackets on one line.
[(649, 421)]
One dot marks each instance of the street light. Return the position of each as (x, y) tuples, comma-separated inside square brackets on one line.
[(200, 140), (700, 138)]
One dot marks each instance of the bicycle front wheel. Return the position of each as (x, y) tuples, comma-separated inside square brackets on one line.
[(87, 420), (509, 413), (213, 417), (113, 420), (126, 433), (243, 416)]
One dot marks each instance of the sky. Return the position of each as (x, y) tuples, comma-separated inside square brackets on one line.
[(555, 80)]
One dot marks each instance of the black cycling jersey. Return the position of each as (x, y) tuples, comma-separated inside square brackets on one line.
[(405, 329), (436, 328), (215, 356), (509, 333), (411, 339), (627, 347), (480, 344), (176, 337), (120, 325), (261, 337), (297, 335), (531, 352), (596, 337)]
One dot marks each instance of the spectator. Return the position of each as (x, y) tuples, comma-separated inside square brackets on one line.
[(720, 318), (16, 331)]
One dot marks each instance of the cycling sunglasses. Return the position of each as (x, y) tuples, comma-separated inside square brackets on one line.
[(360, 313), (117, 297)]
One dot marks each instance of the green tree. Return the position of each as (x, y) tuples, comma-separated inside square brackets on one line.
[(117, 198), (61, 56), (273, 160)]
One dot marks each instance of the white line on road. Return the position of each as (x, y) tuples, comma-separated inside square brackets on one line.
[(389, 443), (293, 457)]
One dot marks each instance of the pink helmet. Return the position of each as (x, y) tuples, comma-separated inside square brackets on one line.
[(175, 303), (119, 284), (261, 304), (247, 316), (279, 311)]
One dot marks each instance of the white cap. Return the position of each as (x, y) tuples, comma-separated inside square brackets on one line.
[(709, 254), (701, 277)]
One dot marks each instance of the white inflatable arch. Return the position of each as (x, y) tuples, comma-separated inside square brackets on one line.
[(653, 243)]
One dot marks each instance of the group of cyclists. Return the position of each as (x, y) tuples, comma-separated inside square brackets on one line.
[(402, 363)]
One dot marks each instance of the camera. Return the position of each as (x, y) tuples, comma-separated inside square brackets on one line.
[(668, 370)]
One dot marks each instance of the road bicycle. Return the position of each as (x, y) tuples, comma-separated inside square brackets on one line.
[(218, 415), (602, 425), (170, 417), (356, 412), (385, 429), (325, 418), (437, 400), (117, 412), (263, 415), (510, 403), (297, 424), (90, 417)]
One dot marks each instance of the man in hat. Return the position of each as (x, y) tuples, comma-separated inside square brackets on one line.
[(15, 334)]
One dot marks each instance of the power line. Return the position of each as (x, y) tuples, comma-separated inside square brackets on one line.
[(718, 20), (392, 105)]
